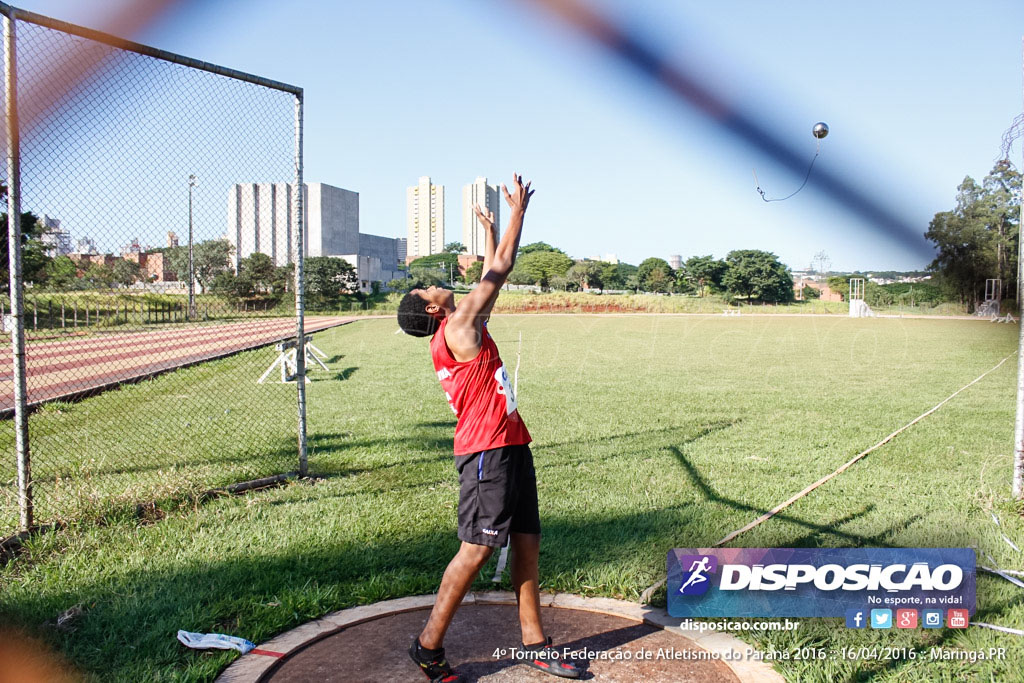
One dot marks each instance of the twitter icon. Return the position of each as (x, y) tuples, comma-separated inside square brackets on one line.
[(881, 618)]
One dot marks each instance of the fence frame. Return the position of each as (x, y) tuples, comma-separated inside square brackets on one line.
[(11, 16)]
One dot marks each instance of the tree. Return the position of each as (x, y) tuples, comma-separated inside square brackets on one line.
[(126, 272), (840, 284), (655, 275), (1002, 196), (539, 246), (445, 262), (327, 278), (475, 271), (259, 269), (283, 279), (808, 293), (563, 283), (98, 276), (401, 284), (684, 282), (421, 278), (759, 275), (586, 274), (626, 273), (977, 239), (209, 258), (34, 258), (706, 273), (454, 248), (61, 273), (540, 266), (611, 276)]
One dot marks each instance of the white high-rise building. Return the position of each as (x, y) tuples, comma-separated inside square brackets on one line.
[(424, 210), (57, 241), (478, 192), (261, 219)]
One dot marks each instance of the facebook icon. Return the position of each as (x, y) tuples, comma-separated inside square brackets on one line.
[(856, 618)]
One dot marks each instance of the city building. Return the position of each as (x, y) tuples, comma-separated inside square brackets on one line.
[(675, 261), (486, 196), (84, 260), (403, 248), (261, 220), (172, 240), (153, 266), (57, 241), (424, 211), (85, 245), (132, 247)]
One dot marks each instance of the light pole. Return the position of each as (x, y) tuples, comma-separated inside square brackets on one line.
[(191, 270)]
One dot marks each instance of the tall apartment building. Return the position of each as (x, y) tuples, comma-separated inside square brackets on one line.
[(57, 241), (487, 196), (675, 261), (424, 211), (261, 219)]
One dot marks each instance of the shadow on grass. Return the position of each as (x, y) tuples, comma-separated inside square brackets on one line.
[(257, 591), (815, 529), (260, 591), (343, 375)]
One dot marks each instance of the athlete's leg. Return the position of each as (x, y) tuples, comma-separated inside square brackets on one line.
[(455, 583), (525, 550)]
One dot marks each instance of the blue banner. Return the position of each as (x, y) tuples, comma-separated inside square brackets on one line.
[(820, 582)]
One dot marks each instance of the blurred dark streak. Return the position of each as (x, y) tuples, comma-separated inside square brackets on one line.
[(632, 49)]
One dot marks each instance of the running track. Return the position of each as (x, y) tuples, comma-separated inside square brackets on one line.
[(73, 367)]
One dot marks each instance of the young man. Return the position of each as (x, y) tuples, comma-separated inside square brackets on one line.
[(498, 487)]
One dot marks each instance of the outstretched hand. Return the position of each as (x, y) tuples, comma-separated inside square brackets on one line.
[(486, 218), (519, 198)]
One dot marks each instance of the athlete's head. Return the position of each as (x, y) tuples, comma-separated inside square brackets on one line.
[(422, 310)]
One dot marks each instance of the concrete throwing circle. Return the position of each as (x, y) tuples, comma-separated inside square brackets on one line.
[(612, 640)]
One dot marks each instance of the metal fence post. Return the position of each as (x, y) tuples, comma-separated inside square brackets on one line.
[(1018, 427), (300, 323), (14, 253)]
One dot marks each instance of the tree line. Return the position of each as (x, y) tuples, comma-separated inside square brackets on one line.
[(744, 274), (977, 239)]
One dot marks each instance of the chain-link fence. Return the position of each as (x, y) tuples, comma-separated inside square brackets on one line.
[(153, 203)]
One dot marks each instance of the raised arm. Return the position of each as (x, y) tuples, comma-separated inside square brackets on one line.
[(490, 242), (462, 332)]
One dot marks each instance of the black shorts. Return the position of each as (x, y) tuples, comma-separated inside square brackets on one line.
[(497, 495)]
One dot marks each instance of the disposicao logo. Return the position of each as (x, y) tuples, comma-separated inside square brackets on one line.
[(696, 581), (823, 582)]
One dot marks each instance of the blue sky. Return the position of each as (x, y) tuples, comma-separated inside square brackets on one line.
[(917, 95)]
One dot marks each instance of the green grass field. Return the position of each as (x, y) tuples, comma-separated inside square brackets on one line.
[(651, 432)]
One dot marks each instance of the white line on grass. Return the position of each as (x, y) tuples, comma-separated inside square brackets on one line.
[(646, 595)]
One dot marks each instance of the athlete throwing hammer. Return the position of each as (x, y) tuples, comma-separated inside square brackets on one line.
[(498, 486)]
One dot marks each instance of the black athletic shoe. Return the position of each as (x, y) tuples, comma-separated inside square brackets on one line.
[(543, 656), (433, 664)]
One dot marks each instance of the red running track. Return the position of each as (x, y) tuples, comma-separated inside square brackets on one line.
[(73, 367)]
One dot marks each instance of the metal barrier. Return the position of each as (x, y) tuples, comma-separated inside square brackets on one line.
[(144, 281)]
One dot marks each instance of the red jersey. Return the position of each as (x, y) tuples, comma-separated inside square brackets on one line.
[(480, 394)]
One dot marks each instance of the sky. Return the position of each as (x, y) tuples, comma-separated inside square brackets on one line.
[(916, 94)]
